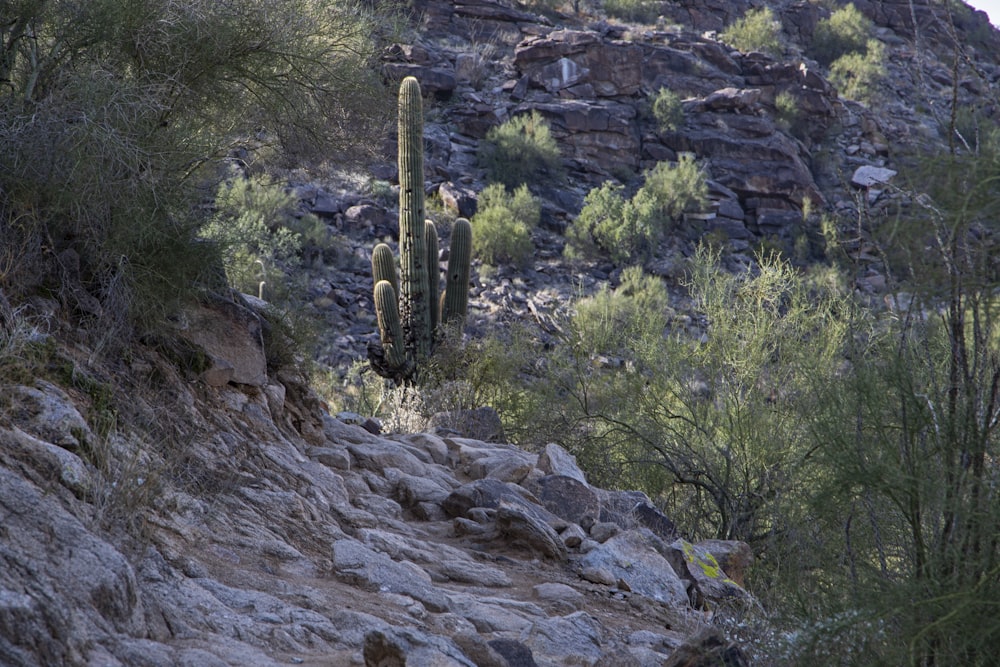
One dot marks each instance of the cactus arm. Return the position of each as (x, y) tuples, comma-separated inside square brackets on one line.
[(414, 285), (433, 273), (456, 296), (384, 266), (389, 327)]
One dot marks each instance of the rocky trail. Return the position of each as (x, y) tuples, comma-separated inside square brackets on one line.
[(266, 533)]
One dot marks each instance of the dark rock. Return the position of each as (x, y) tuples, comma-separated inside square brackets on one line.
[(568, 498), (708, 648), (514, 652)]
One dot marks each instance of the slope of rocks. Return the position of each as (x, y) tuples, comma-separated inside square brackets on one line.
[(262, 531), (482, 62)]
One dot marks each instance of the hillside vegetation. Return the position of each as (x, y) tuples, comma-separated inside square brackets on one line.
[(741, 259)]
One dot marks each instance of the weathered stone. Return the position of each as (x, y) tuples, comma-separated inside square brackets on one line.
[(481, 493), (574, 639), (374, 571), (554, 460), (698, 565), (573, 536), (632, 557), (229, 333), (867, 176), (560, 593), (467, 572), (517, 523), (48, 413), (602, 531), (568, 498), (734, 557)]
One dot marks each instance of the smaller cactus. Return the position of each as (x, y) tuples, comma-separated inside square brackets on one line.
[(456, 295), (390, 329)]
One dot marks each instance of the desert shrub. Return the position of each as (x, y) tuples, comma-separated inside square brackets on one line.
[(758, 30), (667, 110), (789, 115), (501, 227), (630, 228), (612, 318), (857, 75), (256, 227), (520, 151), (846, 30), (112, 116), (639, 11)]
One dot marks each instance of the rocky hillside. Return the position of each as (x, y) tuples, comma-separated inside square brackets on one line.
[(483, 62), (191, 502), (240, 524)]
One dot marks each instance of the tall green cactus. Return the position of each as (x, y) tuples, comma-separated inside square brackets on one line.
[(408, 311), (413, 268)]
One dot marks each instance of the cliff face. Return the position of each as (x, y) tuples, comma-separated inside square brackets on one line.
[(150, 516)]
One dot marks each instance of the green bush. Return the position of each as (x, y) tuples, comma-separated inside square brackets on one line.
[(758, 30), (847, 30), (502, 225), (112, 117), (521, 151), (857, 75), (667, 110), (629, 229), (613, 319), (639, 11), (260, 233)]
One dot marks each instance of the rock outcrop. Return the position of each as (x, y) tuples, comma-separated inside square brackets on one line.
[(263, 531)]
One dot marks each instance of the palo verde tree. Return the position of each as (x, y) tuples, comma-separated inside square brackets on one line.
[(112, 113), (908, 440)]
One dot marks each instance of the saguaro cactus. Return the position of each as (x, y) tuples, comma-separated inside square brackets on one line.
[(408, 312)]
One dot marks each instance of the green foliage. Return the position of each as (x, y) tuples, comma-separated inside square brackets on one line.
[(789, 115), (857, 75), (503, 224), (521, 151), (110, 111), (630, 228), (259, 231), (638, 11), (847, 30), (758, 30), (638, 309), (667, 110)]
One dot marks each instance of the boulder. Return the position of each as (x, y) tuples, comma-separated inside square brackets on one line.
[(231, 336), (518, 524), (568, 498), (352, 561), (633, 558), (698, 565), (554, 460)]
